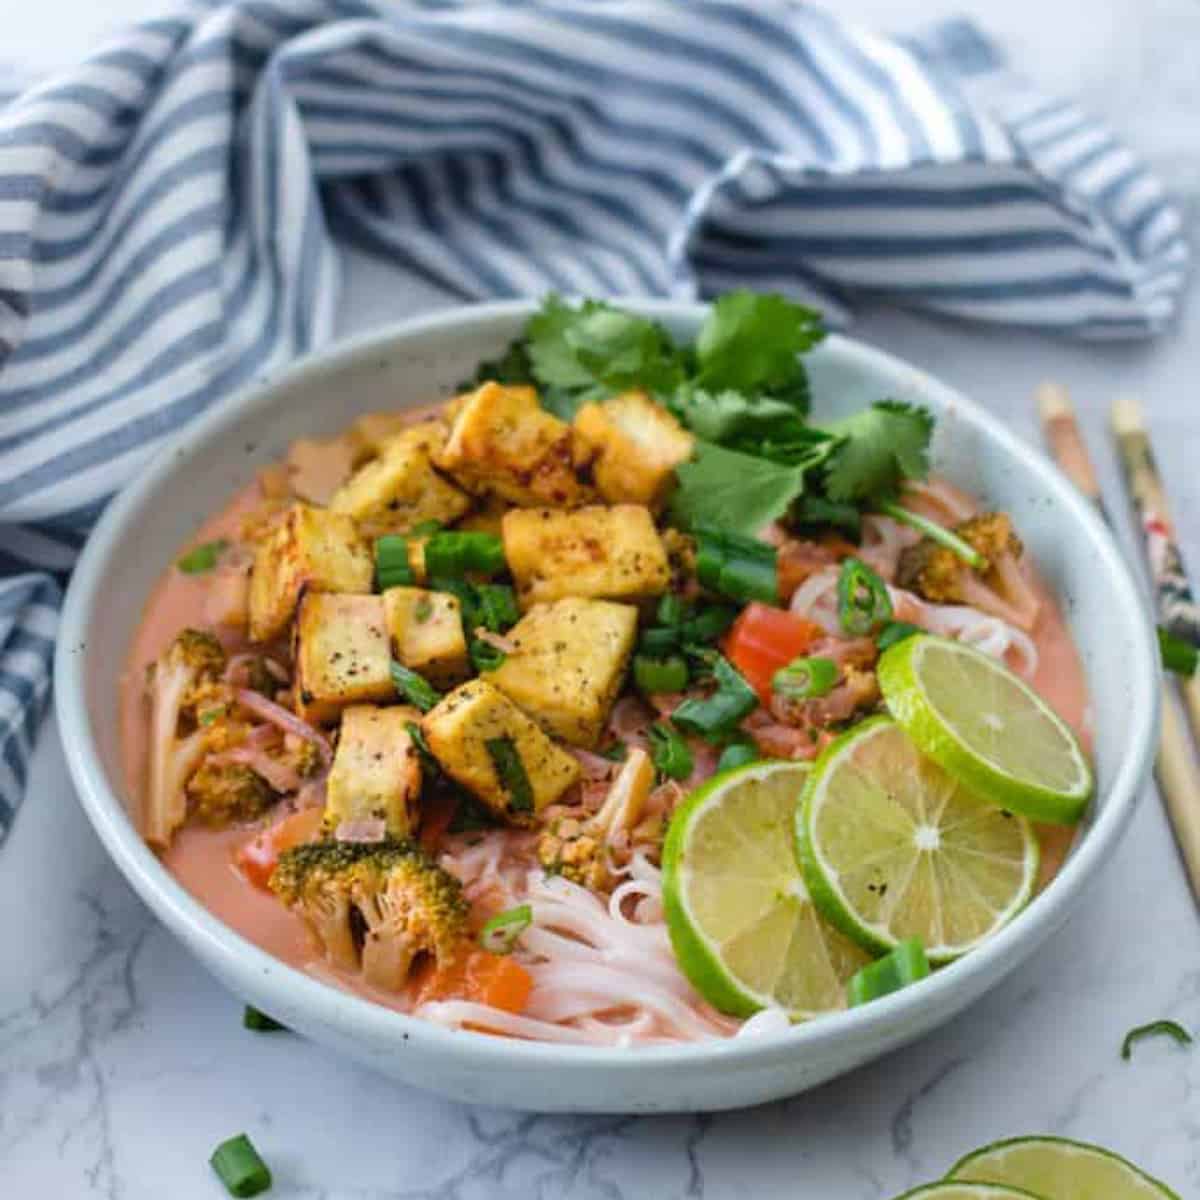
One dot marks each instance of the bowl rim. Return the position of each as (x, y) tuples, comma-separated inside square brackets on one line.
[(295, 991)]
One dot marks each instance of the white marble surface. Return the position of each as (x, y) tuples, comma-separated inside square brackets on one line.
[(122, 1063)]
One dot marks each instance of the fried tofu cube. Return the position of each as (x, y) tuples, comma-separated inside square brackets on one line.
[(376, 772), (427, 633), (503, 443), (568, 663), (486, 518), (342, 655), (637, 445), (400, 488), (310, 548), (606, 553), (372, 432), (477, 734)]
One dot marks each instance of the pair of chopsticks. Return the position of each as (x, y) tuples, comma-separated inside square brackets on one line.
[(1178, 613)]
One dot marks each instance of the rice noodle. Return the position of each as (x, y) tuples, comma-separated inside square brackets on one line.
[(281, 776), (883, 541), (816, 599), (276, 714)]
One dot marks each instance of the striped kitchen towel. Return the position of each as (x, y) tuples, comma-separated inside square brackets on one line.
[(170, 209)]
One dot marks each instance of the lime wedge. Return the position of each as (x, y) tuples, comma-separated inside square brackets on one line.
[(949, 1190), (741, 923), (892, 847), (1059, 1169), (987, 727)]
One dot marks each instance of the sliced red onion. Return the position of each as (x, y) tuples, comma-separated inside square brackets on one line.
[(286, 720)]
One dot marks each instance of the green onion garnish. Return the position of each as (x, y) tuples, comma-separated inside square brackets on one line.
[(1178, 654), (1170, 1029), (737, 566), (413, 687), (738, 754), (720, 712), (658, 642), (655, 676), (253, 1018), (863, 601), (708, 624), (202, 558), (501, 933), (895, 632), (805, 678), (210, 715), (905, 964), (428, 761), (511, 770), (669, 752), (937, 533), (423, 610), (240, 1168), (454, 554), (392, 568), (617, 752), (498, 609), (671, 611)]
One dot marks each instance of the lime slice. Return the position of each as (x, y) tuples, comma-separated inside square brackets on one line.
[(950, 1190), (1059, 1169), (741, 923), (892, 847)]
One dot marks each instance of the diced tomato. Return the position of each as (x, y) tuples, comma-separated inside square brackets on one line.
[(258, 857), (763, 639), (478, 975)]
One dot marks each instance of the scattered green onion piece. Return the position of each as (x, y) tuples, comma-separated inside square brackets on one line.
[(428, 761), (484, 656), (256, 1019), (209, 715), (709, 623), (1170, 1029), (413, 687), (904, 964), (392, 568), (805, 678), (738, 754), (617, 752), (938, 533), (501, 933), (454, 554), (895, 632), (423, 610), (733, 565), (498, 609), (670, 611), (720, 712), (863, 601), (471, 816), (240, 1168), (202, 558), (511, 770), (669, 752), (655, 676), (658, 642), (1178, 654)]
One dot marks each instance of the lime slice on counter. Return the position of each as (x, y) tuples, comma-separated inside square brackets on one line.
[(987, 727), (1059, 1169), (892, 847), (949, 1190), (742, 925)]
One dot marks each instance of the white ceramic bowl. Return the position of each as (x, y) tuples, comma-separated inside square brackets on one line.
[(422, 360)]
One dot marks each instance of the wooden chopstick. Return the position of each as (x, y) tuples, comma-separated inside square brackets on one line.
[(1175, 766)]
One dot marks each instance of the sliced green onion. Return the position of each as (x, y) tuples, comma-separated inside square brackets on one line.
[(454, 554), (671, 611), (738, 754), (863, 601), (709, 623), (1178, 654), (805, 678), (428, 762), (737, 566), (202, 558), (209, 715), (256, 1019), (937, 533), (484, 656), (511, 771), (240, 1168), (658, 642), (720, 712), (617, 752), (655, 676), (1170, 1029), (895, 632), (498, 609), (392, 568), (501, 933), (905, 964), (413, 687), (669, 752)]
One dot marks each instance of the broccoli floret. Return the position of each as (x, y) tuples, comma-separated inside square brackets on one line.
[(227, 792), (373, 907), (936, 572), (184, 687)]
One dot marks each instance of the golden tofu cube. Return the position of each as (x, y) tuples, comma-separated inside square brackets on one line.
[(474, 729), (400, 489), (503, 443), (376, 772), (606, 553), (372, 432), (427, 633), (342, 655), (568, 664), (486, 518), (638, 444), (310, 548)]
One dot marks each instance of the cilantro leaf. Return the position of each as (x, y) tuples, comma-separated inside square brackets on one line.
[(877, 449), (759, 425), (736, 492), (511, 367)]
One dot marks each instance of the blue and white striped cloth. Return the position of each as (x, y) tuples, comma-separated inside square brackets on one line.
[(169, 210)]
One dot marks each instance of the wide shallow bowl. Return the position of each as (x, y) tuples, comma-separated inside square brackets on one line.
[(414, 364)]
